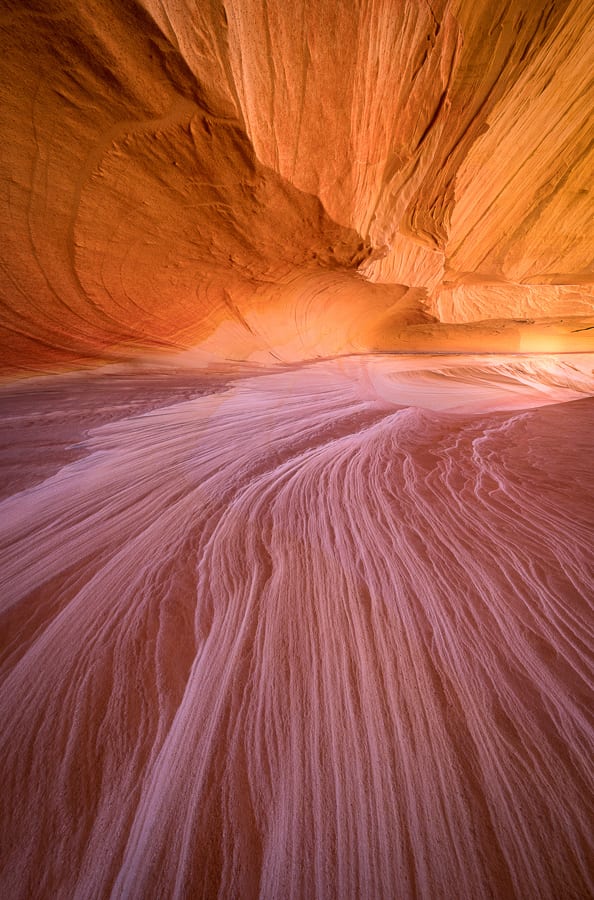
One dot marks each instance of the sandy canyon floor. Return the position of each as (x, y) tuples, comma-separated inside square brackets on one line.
[(319, 631)]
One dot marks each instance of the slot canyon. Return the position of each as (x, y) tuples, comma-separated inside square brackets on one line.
[(297, 430)]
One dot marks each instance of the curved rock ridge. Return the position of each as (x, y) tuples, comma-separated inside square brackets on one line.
[(319, 633), (173, 169)]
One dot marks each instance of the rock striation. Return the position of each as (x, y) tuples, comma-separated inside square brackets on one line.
[(321, 632), (249, 170), (296, 497)]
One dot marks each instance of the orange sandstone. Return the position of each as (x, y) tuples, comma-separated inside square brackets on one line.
[(171, 169)]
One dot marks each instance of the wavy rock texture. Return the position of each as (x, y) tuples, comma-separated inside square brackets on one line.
[(323, 633), (172, 169), (296, 507)]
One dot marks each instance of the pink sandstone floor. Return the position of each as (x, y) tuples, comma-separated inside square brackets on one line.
[(314, 632)]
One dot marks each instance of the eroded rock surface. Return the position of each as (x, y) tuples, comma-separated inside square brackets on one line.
[(171, 169), (296, 498)]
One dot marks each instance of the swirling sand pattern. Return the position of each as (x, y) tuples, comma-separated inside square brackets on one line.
[(324, 633)]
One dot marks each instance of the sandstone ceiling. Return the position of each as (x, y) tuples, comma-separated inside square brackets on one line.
[(273, 180)]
